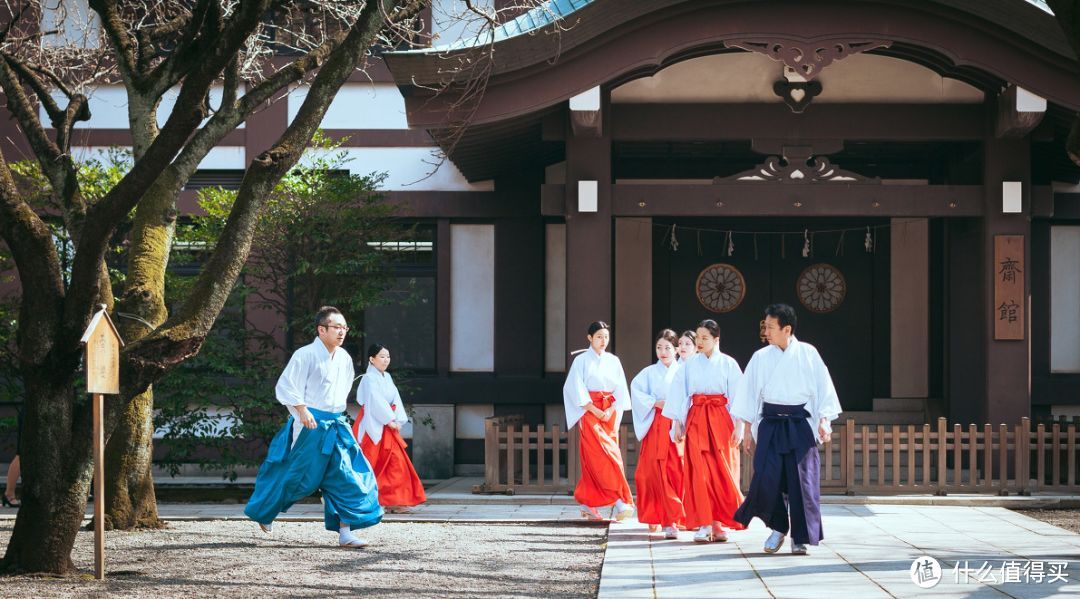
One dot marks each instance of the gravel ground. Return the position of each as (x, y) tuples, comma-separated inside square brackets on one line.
[(234, 559), (1067, 519)]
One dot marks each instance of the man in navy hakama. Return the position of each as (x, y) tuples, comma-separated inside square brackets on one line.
[(785, 402)]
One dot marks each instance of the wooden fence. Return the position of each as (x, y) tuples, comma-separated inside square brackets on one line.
[(860, 459)]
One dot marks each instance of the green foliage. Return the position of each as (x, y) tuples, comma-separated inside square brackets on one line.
[(311, 248)]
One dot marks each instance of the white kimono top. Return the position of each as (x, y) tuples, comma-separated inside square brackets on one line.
[(317, 379), (648, 387), (376, 393), (594, 372), (793, 376), (715, 375)]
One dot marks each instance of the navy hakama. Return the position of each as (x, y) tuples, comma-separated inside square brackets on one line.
[(326, 457), (786, 475)]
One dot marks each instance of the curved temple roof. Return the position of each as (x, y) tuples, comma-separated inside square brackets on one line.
[(552, 11), (538, 17)]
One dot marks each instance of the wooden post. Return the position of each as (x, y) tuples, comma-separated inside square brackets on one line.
[(556, 455), (103, 344), (942, 444), (849, 456), (99, 486), (541, 476), (491, 454), (1024, 454)]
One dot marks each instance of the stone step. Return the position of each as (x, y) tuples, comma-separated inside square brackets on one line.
[(900, 404)]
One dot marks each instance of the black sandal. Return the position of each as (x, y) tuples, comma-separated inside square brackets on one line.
[(9, 502)]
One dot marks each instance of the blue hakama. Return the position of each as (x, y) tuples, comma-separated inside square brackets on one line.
[(786, 475), (327, 458)]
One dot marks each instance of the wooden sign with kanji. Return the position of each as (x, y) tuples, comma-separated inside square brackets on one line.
[(103, 345), (1009, 294)]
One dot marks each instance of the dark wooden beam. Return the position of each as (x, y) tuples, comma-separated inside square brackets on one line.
[(825, 199), (694, 122), (464, 204)]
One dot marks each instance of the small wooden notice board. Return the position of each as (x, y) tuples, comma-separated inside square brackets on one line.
[(1009, 268), (103, 345)]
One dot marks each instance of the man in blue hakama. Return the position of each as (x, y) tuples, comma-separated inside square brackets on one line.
[(315, 449), (785, 401)]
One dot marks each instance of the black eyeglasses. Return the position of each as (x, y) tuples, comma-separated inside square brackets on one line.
[(336, 326)]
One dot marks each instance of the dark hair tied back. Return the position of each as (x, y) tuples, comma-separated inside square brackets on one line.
[(598, 325), (711, 326), (669, 336)]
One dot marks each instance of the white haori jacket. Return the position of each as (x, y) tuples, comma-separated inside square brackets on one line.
[(648, 387), (594, 372), (317, 379), (718, 374), (376, 393), (793, 376)]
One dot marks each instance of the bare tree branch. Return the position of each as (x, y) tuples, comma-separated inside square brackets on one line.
[(182, 334), (186, 116)]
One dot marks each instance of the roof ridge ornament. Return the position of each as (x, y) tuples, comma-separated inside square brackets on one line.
[(808, 57), (798, 165)]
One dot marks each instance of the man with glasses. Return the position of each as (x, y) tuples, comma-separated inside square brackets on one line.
[(315, 449)]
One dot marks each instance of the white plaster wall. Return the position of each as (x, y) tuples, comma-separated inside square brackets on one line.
[(472, 298), (109, 106), (469, 420), (1064, 302), (555, 298), (358, 106), (221, 157), (222, 419), (408, 169), (168, 101)]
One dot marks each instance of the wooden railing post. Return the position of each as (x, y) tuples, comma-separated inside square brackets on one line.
[(1023, 450), (541, 458), (849, 456), (942, 447), (491, 455), (1003, 458), (556, 454)]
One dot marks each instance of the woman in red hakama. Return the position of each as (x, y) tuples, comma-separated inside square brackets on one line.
[(595, 396), (378, 429), (698, 403), (659, 474)]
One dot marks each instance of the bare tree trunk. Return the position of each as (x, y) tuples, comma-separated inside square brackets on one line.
[(56, 476)]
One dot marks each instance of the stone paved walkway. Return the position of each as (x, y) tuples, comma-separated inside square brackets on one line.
[(868, 552), (870, 545)]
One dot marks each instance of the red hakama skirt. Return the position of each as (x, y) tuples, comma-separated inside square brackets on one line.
[(659, 476), (398, 482), (603, 480), (712, 465)]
